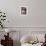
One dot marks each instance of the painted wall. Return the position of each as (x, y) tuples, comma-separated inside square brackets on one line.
[(36, 16)]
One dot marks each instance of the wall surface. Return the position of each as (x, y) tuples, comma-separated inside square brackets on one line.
[(36, 16), (34, 21)]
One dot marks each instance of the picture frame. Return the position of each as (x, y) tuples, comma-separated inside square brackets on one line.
[(23, 10)]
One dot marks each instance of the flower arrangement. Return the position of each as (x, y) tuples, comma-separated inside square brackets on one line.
[(2, 19)]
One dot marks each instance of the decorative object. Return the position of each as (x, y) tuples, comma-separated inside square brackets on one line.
[(23, 10), (8, 40), (44, 44), (7, 30), (2, 19)]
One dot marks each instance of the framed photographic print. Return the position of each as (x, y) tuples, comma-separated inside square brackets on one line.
[(23, 10)]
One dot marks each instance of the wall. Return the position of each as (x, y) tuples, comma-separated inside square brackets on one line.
[(36, 16), (34, 21)]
